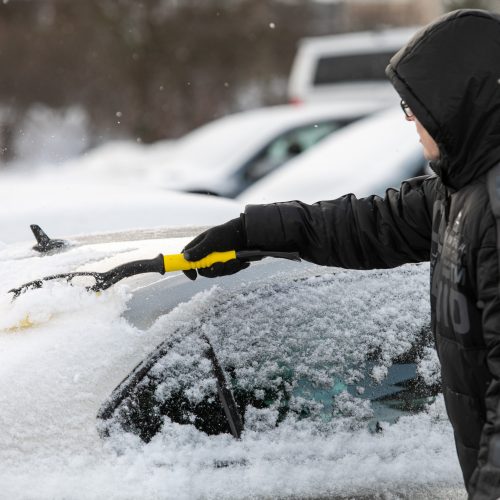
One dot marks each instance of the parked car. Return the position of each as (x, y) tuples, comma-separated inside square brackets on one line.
[(70, 204), (332, 371), (364, 158), (348, 66), (229, 154)]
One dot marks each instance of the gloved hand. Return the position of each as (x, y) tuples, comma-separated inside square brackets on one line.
[(228, 236)]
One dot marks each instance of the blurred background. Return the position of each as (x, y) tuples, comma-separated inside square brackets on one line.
[(76, 74)]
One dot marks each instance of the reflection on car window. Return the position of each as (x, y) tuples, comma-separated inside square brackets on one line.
[(287, 146)]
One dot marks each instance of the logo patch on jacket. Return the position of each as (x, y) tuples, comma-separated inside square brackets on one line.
[(449, 280)]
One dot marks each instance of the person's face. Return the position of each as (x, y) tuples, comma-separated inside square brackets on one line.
[(431, 149)]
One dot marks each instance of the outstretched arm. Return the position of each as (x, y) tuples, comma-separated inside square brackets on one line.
[(353, 233)]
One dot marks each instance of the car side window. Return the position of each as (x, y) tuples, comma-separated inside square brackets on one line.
[(287, 146)]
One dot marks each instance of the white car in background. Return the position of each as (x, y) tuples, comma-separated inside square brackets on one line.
[(347, 66), (227, 155), (364, 158)]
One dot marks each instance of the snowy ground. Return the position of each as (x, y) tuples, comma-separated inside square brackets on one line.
[(62, 352)]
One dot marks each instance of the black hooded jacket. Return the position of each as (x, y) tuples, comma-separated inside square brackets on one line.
[(449, 74)]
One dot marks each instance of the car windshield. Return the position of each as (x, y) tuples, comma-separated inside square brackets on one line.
[(336, 349)]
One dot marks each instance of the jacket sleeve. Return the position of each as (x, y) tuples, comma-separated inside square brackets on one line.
[(352, 233), (485, 481)]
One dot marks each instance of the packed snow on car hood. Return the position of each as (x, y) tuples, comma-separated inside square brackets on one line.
[(63, 351), (81, 198)]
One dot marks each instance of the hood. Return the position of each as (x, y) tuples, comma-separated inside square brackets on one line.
[(449, 74)]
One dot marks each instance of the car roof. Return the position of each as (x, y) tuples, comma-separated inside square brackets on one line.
[(364, 158)]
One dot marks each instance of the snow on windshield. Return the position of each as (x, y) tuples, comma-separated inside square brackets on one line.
[(322, 329), (292, 347), (56, 374)]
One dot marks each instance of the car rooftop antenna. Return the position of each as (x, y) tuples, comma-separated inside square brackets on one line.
[(44, 243)]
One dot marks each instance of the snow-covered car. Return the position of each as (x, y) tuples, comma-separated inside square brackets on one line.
[(227, 155), (118, 394), (69, 203), (364, 158)]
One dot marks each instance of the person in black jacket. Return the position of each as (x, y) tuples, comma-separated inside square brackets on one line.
[(448, 77)]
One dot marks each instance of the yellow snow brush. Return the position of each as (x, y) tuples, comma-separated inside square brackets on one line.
[(160, 264)]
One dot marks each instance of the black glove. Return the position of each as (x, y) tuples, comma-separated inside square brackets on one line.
[(228, 236)]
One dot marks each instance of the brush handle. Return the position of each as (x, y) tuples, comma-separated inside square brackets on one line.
[(177, 262), (160, 264)]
